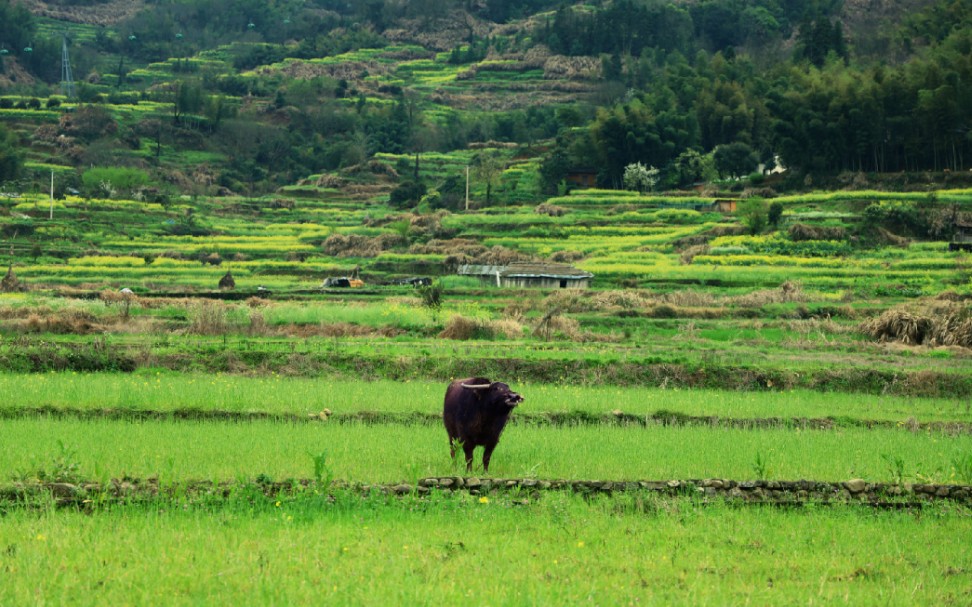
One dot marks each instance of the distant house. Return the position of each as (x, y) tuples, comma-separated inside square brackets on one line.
[(962, 239), (530, 275), (724, 205), (581, 178)]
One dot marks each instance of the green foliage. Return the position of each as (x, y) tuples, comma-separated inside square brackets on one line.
[(407, 194), (774, 213), (17, 26), (754, 213), (734, 159), (323, 474), (895, 467), (11, 157), (109, 182), (432, 295)]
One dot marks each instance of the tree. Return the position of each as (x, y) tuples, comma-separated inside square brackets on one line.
[(188, 99), (488, 168), (11, 160), (734, 159), (639, 177), (16, 24), (690, 167)]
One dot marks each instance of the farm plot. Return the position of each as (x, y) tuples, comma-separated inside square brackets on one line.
[(560, 549), (201, 396), (358, 452)]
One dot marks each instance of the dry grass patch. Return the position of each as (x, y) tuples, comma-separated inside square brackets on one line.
[(618, 300), (462, 328), (356, 245), (688, 299), (931, 323), (788, 292), (208, 318), (62, 322)]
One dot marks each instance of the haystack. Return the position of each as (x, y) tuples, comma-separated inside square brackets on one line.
[(227, 282), (934, 323), (10, 283)]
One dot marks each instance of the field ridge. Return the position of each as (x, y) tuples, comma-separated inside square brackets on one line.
[(564, 418), (90, 495)]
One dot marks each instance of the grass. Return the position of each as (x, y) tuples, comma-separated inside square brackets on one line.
[(557, 550), (166, 391), (184, 450)]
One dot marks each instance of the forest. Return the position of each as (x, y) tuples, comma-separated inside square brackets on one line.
[(703, 90)]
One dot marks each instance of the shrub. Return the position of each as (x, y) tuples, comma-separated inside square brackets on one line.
[(407, 194)]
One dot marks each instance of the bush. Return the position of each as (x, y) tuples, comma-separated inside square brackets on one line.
[(407, 194)]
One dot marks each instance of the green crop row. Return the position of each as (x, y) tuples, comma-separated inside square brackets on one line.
[(154, 390), (557, 550), (182, 450)]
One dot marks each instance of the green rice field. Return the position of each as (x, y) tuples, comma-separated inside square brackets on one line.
[(699, 352)]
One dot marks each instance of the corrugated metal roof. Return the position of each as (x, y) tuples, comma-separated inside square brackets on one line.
[(479, 270), (545, 270), (526, 270)]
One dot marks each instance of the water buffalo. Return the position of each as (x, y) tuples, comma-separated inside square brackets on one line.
[(475, 412)]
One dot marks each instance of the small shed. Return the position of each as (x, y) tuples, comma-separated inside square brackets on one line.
[(962, 238), (530, 275), (581, 178), (724, 205)]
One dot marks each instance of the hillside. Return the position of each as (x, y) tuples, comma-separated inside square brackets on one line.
[(239, 97)]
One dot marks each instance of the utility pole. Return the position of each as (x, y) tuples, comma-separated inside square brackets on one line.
[(67, 78)]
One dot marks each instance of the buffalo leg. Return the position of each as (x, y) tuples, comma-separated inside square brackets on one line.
[(487, 454), (468, 449)]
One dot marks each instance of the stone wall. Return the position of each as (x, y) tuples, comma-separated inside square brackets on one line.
[(758, 491), (855, 491)]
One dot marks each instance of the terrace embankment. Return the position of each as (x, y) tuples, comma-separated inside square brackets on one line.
[(565, 418), (91, 495)]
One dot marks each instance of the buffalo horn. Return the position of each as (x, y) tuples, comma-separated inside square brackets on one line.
[(476, 386)]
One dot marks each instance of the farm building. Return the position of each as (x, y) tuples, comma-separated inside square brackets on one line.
[(581, 178), (724, 205), (530, 275), (962, 240)]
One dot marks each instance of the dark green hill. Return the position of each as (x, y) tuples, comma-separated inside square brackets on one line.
[(243, 96)]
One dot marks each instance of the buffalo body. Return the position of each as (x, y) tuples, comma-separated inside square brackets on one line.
[(475, 412)]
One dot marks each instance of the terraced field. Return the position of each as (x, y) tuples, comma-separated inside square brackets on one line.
[(713, 388)]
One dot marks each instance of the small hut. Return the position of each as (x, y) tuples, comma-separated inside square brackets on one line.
[(530, 275), (962, 239), (581, 178), (724, 205), (227, 282)]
